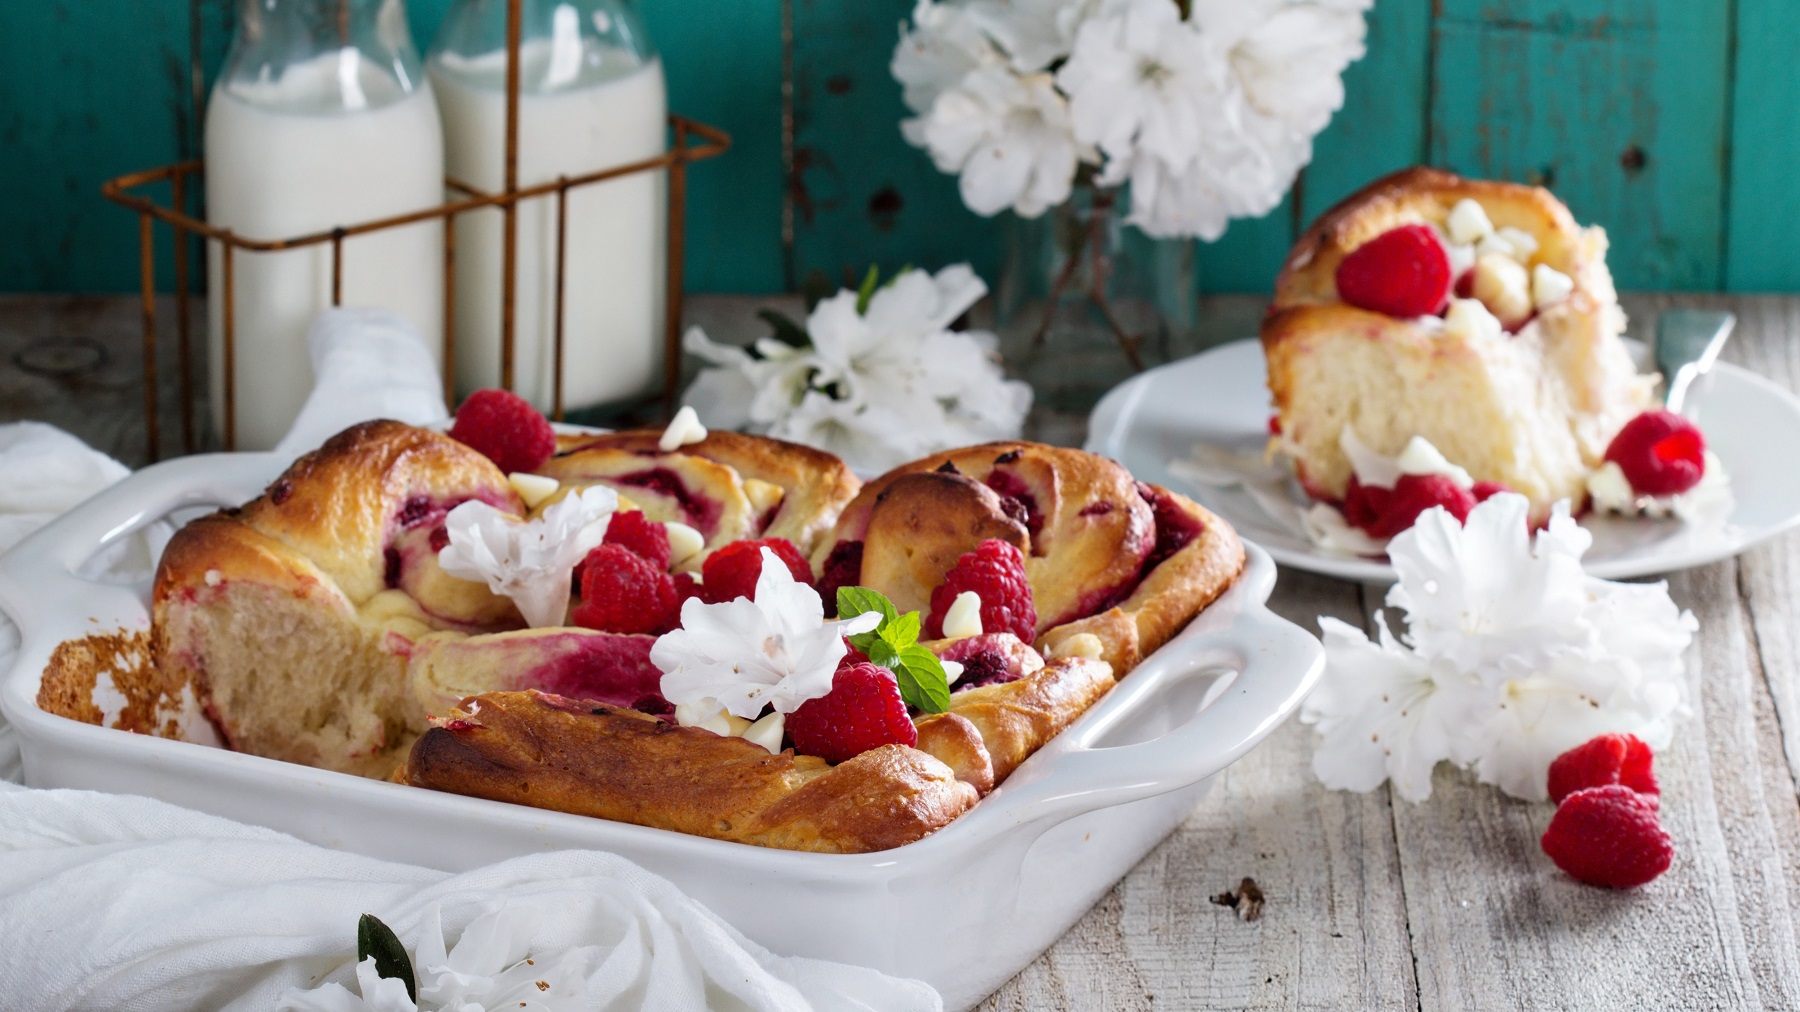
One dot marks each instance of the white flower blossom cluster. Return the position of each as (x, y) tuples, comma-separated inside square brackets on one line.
[(878, 387), (1209, 117), (1512, 656)]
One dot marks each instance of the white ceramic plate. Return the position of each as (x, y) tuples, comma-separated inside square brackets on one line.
[(963, 909), (1221, 398)]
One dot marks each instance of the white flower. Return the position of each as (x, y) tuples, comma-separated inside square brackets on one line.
[(1008, 137), (1142, 83), (944, 45), (877, 388), (1033, 33), (529, 561), (1512, 656), (1385, 713), (744, 654), (492, 966)]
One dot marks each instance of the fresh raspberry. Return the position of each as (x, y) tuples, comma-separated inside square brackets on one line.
[(621, 592), (852, 656), (732, 571), (1402, 272), (862, 711), (843, 568), (995, 571), (1609, 759), (642, 536), (1660, 452), (1608, 836), (687, 586), (506, 428), (1485, 490), (1384, 513), (984, 667)]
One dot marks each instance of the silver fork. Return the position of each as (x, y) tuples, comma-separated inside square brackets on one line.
[(1687, 344)]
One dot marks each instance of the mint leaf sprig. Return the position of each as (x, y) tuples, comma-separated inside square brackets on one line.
[(894, 645)]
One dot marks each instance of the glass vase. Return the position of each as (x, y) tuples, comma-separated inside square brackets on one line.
[(1085, 302)]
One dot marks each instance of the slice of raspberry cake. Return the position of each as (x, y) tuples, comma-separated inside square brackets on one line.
[(1473, 315)]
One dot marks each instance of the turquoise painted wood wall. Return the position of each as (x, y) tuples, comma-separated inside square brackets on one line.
[(1674, 123)]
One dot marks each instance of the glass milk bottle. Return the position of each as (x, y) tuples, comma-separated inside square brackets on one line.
[(591, 97), (322, 117)]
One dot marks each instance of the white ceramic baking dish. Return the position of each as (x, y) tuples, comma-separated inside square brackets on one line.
[(963, 909)]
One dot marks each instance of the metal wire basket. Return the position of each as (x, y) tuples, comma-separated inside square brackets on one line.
[(693, 141)]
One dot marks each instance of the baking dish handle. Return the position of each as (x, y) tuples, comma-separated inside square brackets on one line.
[(39, 576), (1277, 664)]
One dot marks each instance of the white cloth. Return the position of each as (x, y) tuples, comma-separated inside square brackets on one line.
[(368, 363), (118, 902)]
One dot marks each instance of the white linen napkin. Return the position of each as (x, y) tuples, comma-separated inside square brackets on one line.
[(118, 902), (368, 363), (121, 902)]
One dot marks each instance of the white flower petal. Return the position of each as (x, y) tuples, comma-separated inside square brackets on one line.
[(529, 561)]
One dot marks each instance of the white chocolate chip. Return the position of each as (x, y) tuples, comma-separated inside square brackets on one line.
[(684, 542), (713, 719), (1500, 282), (1085, 645), (684, 430), (533, 488), (1421, 458), (1469, 319), (1494, 245), (738, 724), (1523, 243), (952, 671), (1468, 222), (1549, 285), (767, 731), (963, 619), (1462, 257), (214, 578), (764, 496)]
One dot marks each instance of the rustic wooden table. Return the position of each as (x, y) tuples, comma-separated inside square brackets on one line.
[(1370, 902)]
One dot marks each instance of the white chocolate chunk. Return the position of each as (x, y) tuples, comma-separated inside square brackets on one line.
[(1469, 319), (1421, 458), (1500, 282), (708, 718), (1549, 285), (767, 731), (1085, 645), (964, 617), (764, 496), (952, 671), (737, 724), (684, 542), (533, 488), (1468, 222), (684, 430), (1462, 258), (214, 578), (1523, 243), (1496, 245)]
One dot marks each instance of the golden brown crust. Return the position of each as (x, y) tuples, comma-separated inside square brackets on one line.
[(1169, 596), (1015, 719), (956, 743), (814, 485), (1094, 532), (534, 749), (1419, 194)]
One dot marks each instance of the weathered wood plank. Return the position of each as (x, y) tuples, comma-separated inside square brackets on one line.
[(1332, 934), (1619, 105), (1765, 146), (1382, 125), (861, 195)]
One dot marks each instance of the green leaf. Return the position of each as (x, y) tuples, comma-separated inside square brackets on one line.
[(901, 632), (786, 330), (376, 939), (869, 283), (923, 683), (854, 601), (883, 654)]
